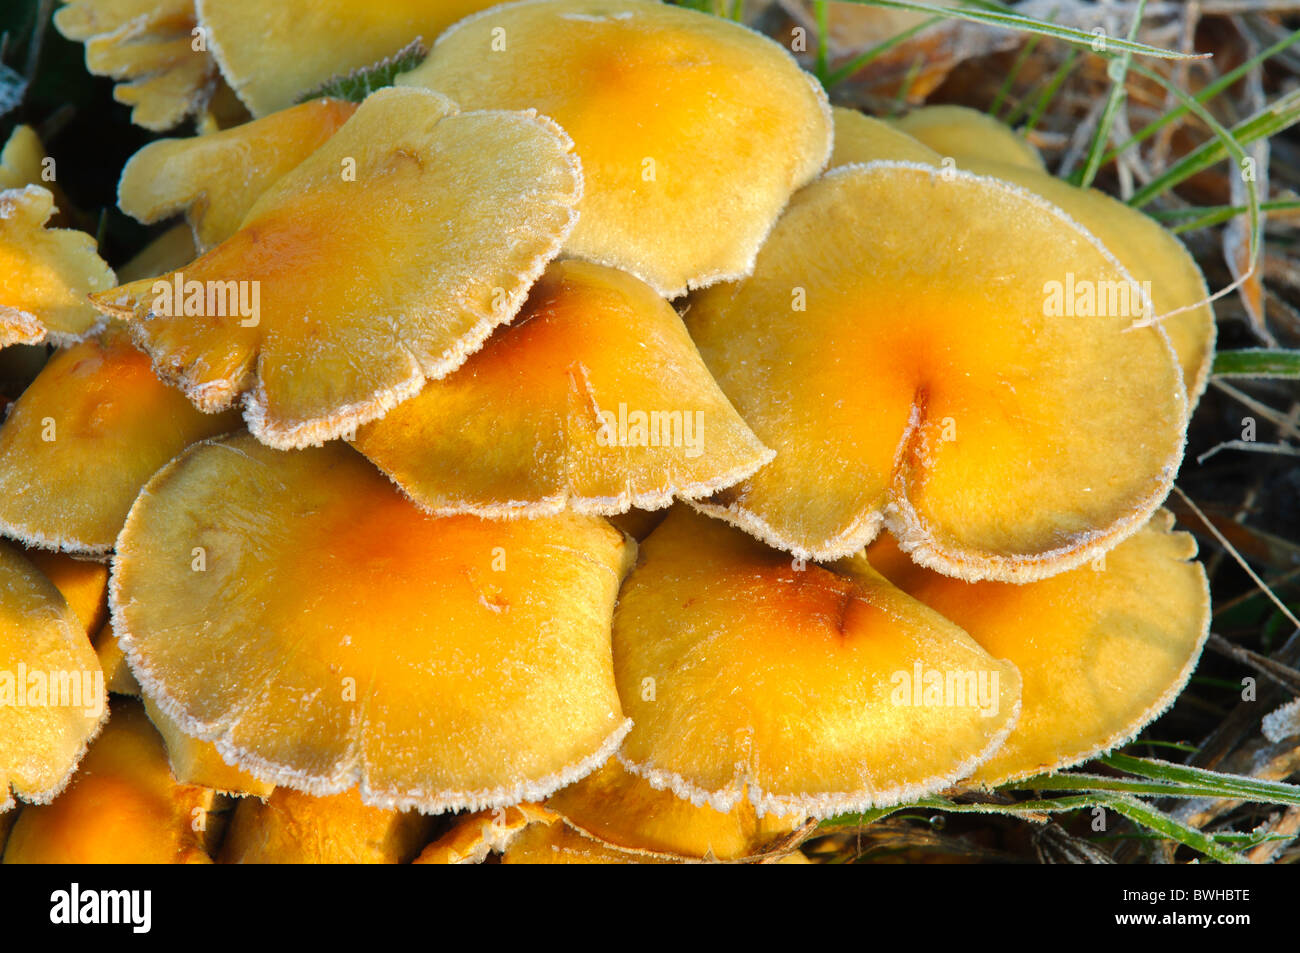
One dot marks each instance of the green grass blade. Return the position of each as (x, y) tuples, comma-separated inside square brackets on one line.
[(1231, 785), (1049, 92), (1160, 823), (862, 59), (1004, 90), (1117, 70), (1210, 216), (1257, 362), (1272, 119), (1204, 96)]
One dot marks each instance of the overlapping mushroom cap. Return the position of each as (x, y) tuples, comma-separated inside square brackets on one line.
[(298, 611), (123, 806), (959, 131), (748, 675), (898, 347), (84, 437), (593, 400), (273, 53), (151, 46), (1151, 253), (351, 287), (290, 827), (693, 130), (621, 810), (52, 700), (1102, 649), (216, 179), (45, 273)]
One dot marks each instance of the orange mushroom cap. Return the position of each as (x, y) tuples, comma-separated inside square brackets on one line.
[(1102, 649), (217, 178), (52, 699), (45, 273), (898, 347), (693, 130), (151, 47), (123, 807), (354, 286), (545, 417), (84, 437), (749, 676), (299, 612)]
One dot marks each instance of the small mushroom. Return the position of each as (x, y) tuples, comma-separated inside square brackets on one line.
[(804, 690), (150, 47), (45, 273), (622, 810), (123, 806), (962, 132), (217, 178), (298, 611), (52, 700), (273, 53), (898, 346), (290, 827), (84, 437), (860, 139), (593, 400), (386, 257), (693, 130), (21, 159), (477, 835), (1102, 649)]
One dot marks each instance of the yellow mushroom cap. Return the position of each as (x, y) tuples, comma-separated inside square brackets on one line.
[(117, 673), (861, 139), (1102, 649), (84, 437), (594, 400), (52, 699), (748, 675), (332, 635), (22, 159), (198, 762), (82, 582), (272, 53), (217, 178), (151, 47), (386, 257), (290, 827), (693, 130), (965, 133), (45, 273), (1148, 251), (123, 807), (622, 810), (561, 844), (900, 348)]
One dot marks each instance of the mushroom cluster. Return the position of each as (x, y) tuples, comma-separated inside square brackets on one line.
[(591, 433)]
